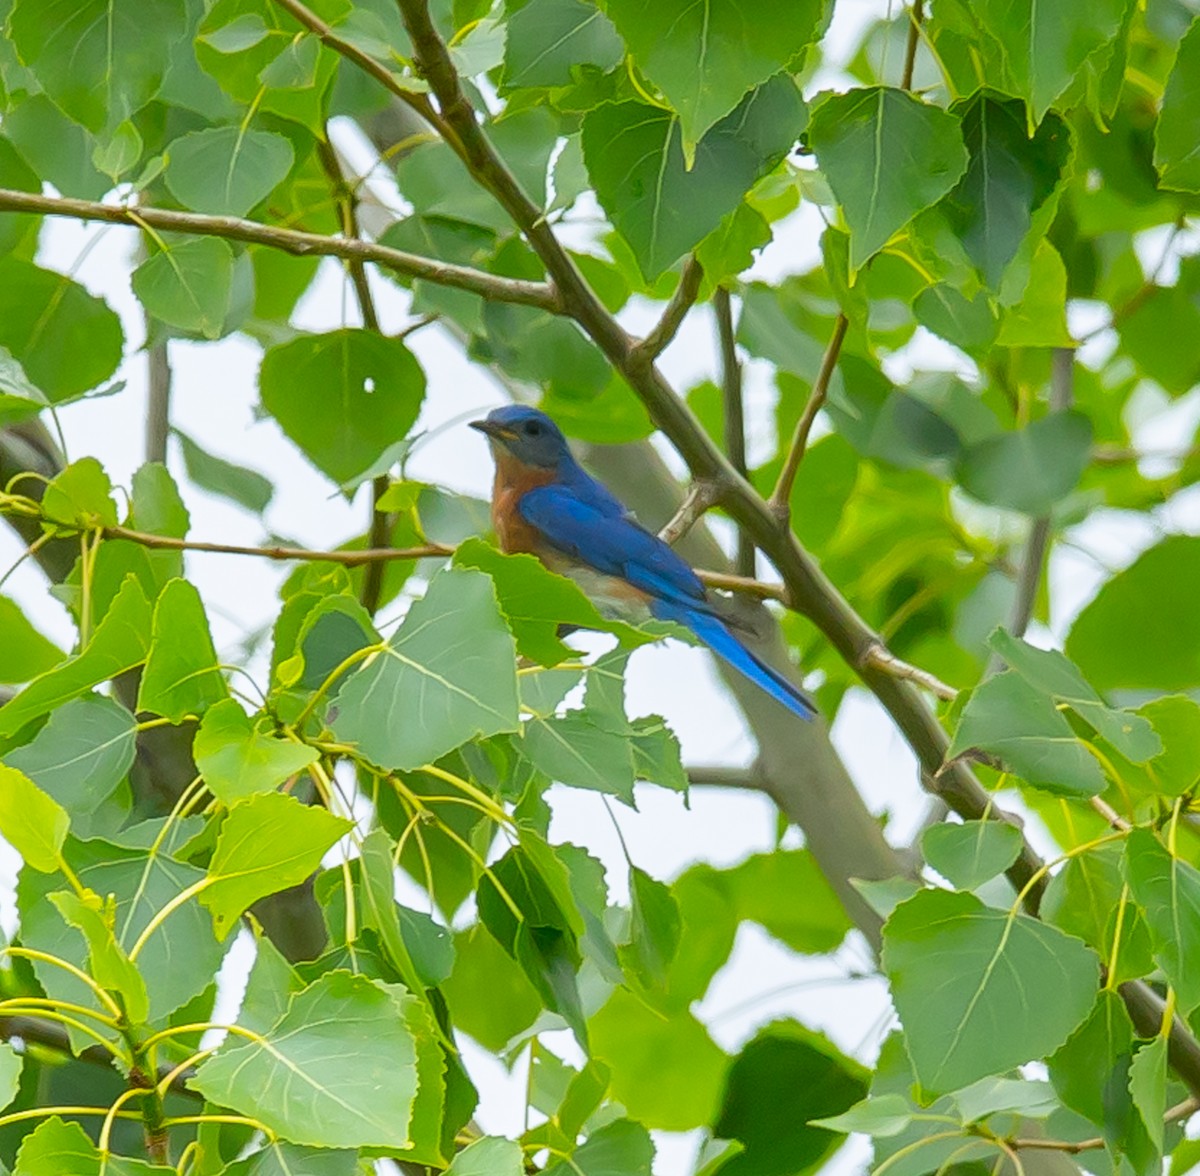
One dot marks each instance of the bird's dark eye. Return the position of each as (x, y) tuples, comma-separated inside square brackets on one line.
[(533, 428)]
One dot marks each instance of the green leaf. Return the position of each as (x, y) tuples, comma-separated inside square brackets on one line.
[(121, 153), (110, 967), (706, 57), (338, 1069), (179, 958), (864, 141), (420, 951), (11, 1064), (64, 1149), (82, 754), (634, 155), (883, 1116), (542, 932), (447, 675), (18, 397), (1148, 1088), (343, 397), (488, 993), (653, 931), (777, 1134), (226, 171), (1168, 891), (182, 675), (268, 842), (968, 854), (218, 476), (188, 284), (1022, 726), (994, 960), (119, 643), (548, 40), (279, 1158), (764, 888), (38, 310), (1083, 1068), (1177, 132), (536, 601), (666, 1070), (1039, 319), (237, 760), (100, 61), (15, 227), (1050, 672), (24, 652), (81, 497), (1163, 653), (620, 1148), (489, 1156), (1031, 469), (1009, 176), (575, 750), (34, 824), (268, 60), (970, 324), (1044, 46)]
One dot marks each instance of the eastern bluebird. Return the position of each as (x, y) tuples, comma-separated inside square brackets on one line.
[(544, 503)]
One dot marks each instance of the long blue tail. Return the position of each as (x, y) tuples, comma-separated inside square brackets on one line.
[(717, 636)]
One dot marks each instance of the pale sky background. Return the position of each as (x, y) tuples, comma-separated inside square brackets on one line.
[(213, 400)]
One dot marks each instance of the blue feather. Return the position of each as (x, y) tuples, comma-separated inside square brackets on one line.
[(580, 518), (717, 636)]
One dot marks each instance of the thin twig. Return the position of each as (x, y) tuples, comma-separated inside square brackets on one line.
[(880, 656), (734, 412), (347, 558), (718, 776), (915, 15), (781, 495), (744, 585), (681, 302), (379, 526), (1110, 814), (233, 228), (699, 498)]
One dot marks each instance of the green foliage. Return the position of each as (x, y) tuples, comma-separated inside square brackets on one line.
[(1004, 176)]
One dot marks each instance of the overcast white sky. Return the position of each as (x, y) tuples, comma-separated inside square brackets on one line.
[(213, 401)]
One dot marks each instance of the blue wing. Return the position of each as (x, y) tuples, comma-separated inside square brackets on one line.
[(609, 541), (594, 530)]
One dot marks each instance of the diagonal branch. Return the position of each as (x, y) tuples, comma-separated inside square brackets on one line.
[(782, 494), (233, 228), (684, 298)]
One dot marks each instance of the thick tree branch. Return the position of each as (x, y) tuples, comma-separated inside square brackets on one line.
[(879, 656), (294, 241), (734, 411), (781, 495), (158, 400), (684, 298)]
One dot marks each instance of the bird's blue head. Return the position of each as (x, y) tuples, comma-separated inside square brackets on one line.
[(528, 434)]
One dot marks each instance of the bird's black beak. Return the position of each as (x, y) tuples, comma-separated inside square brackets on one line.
[(494, 430)]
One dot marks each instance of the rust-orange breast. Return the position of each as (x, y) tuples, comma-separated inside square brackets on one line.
[(513, 479)]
